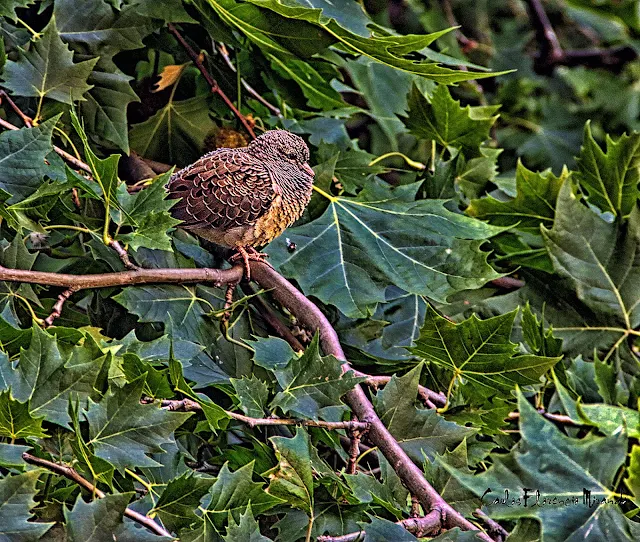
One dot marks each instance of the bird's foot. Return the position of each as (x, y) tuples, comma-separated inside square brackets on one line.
[(247, 254)]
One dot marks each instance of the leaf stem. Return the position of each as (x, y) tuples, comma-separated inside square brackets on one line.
[(412, 163)]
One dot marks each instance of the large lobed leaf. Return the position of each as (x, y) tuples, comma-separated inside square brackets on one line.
[(361, 245)]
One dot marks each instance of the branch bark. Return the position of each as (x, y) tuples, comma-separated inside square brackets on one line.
[(72, 474), (410, 474), (419, 526), (215, 88)]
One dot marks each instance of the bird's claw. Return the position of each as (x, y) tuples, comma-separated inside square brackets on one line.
[(247, 254)]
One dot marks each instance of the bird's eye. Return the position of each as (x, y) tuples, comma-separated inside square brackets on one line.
[(291, 155)]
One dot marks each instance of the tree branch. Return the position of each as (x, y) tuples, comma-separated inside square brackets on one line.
[(215, 88), (123, 278), (497, 531), (64, 154), (544, 30), (410, 474), (419, 526), (72, 474), (57, 307), (188, 405)]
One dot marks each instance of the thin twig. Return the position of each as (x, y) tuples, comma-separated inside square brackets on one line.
[(543, 26), (72, 474), (508, 283), (188, 405), (429, 397), (497, 531), (420, 526), (222, 49), (213, 84), (57, 307), (270, 317), (558, 418), (28, 121), (123, 255), (355, 436), (64, 154)]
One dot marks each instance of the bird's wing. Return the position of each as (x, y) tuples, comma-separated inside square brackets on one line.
[(223, 189)]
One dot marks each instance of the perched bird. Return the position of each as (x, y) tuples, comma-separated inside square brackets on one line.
[(246, 197)]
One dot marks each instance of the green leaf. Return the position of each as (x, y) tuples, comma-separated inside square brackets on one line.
[(47, 377), (392, 50), (316, 89), (23, 160), (579, 465), (15, 420), (104, 111), (361, 245), (8, 7), (98, 520), (611, 178), (541, 341), (246, 529), (17, 498), (311, 382), (170, 11), (421, 432), (147, 212), (441, 118), (480, 353), (123, 432), (98, 29), (383, 529), (253, 394), (232, 494), (47, 70), (292, 479), (599, 259), (176, 133), (534, 204), (180, 499), (104, 171)]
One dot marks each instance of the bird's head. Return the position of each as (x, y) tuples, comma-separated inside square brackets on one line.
[(284, 146)]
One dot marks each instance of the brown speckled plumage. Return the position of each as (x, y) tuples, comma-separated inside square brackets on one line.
[(245, 197)]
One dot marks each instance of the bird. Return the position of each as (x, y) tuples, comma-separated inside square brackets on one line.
[(245, 197)]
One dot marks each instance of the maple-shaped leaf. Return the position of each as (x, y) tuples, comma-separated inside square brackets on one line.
[(246, 529), (231, 495), (253, 394), (147, 212), (123, 431), (8, 7), (180, 499), (441, 118), (16, 422), (292, 479), (578, 473), (611, 178), (23, 159), (480, 353), (359, 246), (176, 133), (47, 377), (420, 431), (534, 204), (17, 498), (600, 261), (311, 382), (47, 70)]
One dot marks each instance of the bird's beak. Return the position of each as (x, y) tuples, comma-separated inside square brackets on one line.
[(308, 169)]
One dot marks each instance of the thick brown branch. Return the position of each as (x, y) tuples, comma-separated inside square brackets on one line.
[(215, 88), (497, 531), (419, 526), (190, 406), (72, 474), (123, 278), (410, 474)]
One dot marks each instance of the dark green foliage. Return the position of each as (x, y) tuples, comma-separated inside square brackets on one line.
[(445, 160)]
